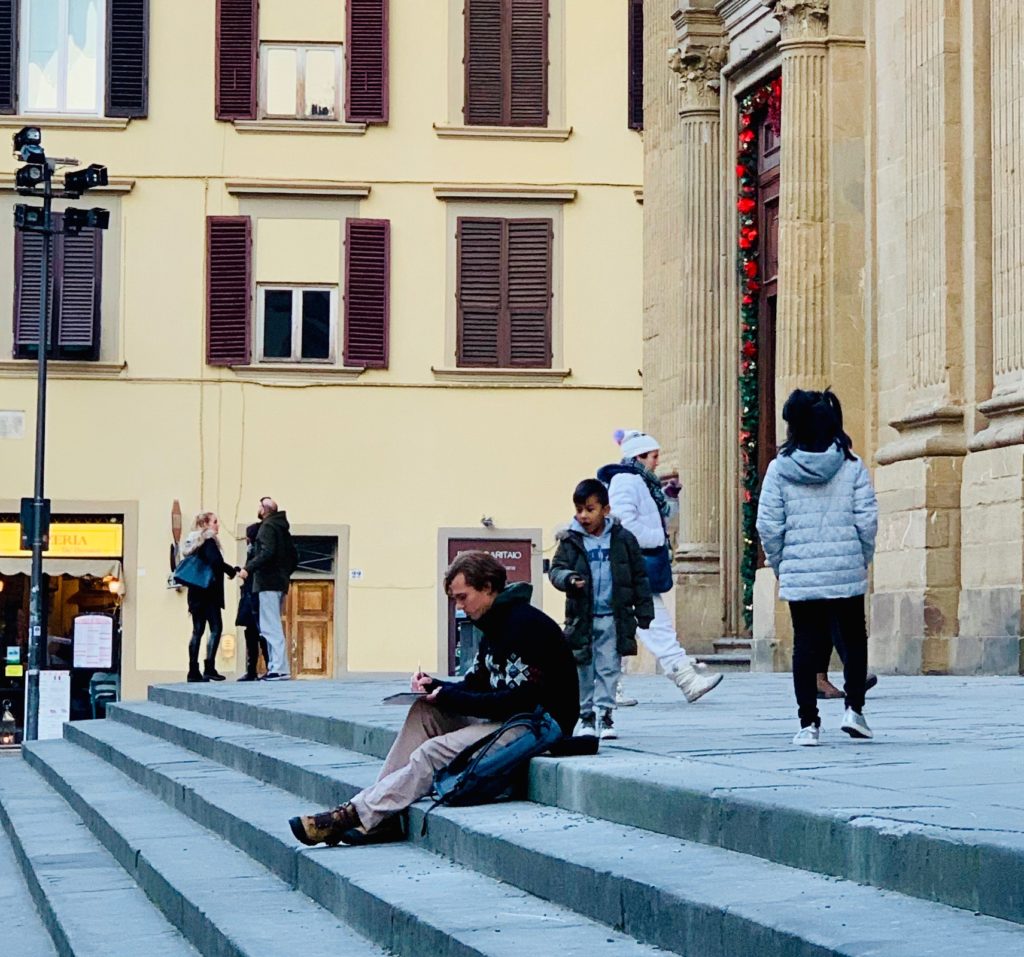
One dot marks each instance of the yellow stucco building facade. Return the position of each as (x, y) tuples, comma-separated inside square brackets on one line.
[(392, 430)]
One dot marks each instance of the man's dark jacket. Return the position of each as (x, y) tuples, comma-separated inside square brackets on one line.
[(269, 564), (631, 590), (523, 662)]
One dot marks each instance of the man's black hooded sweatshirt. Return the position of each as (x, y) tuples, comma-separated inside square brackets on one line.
[(523, 661)]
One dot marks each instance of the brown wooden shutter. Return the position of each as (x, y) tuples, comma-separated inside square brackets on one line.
[(529, 292), (8, 56), (528, 63), (481, 256), (127, 57), (79, 268), (366, 59), (237, 38), (367, 283), (28, 264), (485, 86), (636, 64), (228, 295)]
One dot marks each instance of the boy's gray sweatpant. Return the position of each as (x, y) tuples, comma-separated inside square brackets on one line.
[(599, 678)]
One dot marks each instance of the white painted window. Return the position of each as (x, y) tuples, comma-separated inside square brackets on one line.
[(62, 56), (297, 323), (300, 82)]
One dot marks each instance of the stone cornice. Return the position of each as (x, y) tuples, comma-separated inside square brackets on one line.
[(802, 19)]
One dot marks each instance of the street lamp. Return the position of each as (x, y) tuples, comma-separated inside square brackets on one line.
[(35, 512)]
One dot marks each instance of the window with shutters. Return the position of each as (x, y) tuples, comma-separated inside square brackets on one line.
[(300, 82), (296, 324), (504, 293), (74, 57), (272, 66), (73, 297), (301, 270), (506, 63)]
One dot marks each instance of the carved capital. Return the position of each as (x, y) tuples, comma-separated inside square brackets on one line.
[(802, 19), (699, 67)]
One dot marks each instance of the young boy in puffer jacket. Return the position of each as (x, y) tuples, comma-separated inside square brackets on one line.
[(599, 566)]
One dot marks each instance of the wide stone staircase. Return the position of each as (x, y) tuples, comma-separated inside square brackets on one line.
[(163, 830)]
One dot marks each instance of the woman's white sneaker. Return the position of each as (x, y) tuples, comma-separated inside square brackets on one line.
[(855, 725), (808, 737)]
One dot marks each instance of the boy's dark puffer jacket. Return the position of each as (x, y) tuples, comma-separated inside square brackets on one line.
[(631, 592)]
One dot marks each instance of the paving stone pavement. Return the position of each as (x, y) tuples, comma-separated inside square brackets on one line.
[(951, 742)]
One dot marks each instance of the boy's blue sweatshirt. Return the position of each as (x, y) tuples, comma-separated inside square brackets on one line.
[(599, 556)]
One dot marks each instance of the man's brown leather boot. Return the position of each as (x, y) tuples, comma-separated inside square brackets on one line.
[(325, 827)]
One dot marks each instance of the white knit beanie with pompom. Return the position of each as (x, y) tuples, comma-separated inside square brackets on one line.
[(634, 443)]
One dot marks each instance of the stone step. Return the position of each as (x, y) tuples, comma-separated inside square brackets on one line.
[(220, 899), (863, 834), (410, 901), (725, 661), (682, 896), (85, 899), (21, 920), (732, 645)]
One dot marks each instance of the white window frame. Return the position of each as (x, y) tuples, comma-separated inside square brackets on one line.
[(296, 289), (62, 71), (301, 49)]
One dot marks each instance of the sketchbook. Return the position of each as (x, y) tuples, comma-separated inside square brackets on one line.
[(404, 697)]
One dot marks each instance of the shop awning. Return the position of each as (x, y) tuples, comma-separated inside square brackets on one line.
[(76, 567)]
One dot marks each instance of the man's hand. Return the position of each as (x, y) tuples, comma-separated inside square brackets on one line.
[(420, 682), (243, 574), (433, 694), (578, 581)]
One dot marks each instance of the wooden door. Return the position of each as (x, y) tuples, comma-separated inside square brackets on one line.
[(514, 554), (309, 627)]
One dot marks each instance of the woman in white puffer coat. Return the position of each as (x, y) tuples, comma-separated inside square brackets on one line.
[(817, 518), (639, 503)]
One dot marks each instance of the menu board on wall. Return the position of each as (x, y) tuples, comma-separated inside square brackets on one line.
[(54, 703), (94, 636)]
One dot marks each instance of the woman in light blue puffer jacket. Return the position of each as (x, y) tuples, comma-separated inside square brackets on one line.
[(817, 518)]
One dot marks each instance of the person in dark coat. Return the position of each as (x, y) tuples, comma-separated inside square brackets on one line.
[(248, 615), (523, 663), (601, 569), (273, 560), (205, 604)]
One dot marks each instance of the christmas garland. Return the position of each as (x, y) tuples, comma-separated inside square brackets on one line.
[(766, 98)]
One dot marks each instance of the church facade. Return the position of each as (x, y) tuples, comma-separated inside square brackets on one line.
[(832, 198)]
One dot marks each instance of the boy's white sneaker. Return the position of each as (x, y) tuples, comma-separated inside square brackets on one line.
[(608, 731), (855, 725), (587, 726), (808, 737), (621, 701)]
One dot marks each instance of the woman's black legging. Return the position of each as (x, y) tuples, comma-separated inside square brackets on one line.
[(813, 622), (200, 619)]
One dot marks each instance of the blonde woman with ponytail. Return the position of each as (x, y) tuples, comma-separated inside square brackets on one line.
[(205, 604)]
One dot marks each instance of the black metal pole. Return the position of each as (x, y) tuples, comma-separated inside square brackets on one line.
[(35, 612)]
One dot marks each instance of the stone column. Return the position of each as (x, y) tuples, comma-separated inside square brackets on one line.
[(802, 353), (992, 551), (698, 61), (920, 196)]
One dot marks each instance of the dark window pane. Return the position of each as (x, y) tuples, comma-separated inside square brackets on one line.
[(316, 324), (316, 553), (277, 323)]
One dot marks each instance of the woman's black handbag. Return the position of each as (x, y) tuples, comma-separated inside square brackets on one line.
[(193, 571), (659, 568)]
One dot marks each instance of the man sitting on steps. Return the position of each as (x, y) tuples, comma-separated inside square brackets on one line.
[(523, 661)]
